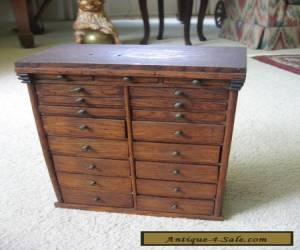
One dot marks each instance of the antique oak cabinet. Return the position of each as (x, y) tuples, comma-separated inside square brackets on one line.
[(136, 129)]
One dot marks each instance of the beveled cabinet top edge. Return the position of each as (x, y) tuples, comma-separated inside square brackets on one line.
[(134, 57)]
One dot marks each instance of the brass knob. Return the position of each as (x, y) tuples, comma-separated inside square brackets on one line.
[(60, 77), (83, 127), (178, 105), (174, 206), (175, 153), (126, 79), (80, 100), (179, 133), (85, 148), (92, 183), (81, 112), (91, 167), (97, 199), (177, 189), (197, 82), (77, 90), (179, 116), (176, 172), (178, 93)]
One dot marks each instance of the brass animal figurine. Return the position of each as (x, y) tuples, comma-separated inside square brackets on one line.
[(91, 17)]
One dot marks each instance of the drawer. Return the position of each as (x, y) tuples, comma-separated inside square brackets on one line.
[(196, 83), (178, 132), (200, 93), (82, 112), (179, 104), (177, 153), (81, 101), (176, 172), (126, 79), (92, 166), (96, 198), (173, 205), (78, 90), (84, 127), (176, 189), (95, 148), (169, 116), (62, 78), (95, 183)]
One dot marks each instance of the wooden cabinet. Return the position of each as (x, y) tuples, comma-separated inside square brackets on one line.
[(136, 129)]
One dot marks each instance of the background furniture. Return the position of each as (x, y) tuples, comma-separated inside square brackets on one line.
[(147, 138), (263, 24), (185, 13)]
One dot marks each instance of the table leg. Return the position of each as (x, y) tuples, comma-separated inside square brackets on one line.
[(21, 12), (161, 19), (181, 10), (201, 15), (145, 16), (187, 21)]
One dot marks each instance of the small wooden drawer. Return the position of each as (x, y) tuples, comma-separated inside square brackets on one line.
[(176, 172), (176, 189), (126, 79), (196, 83), (62, 78), (88, 147), (96, 198), (178, 132), (179, 92), (84, 127), (93, 166), (179, 104), (81, 101), (177, 153), (78, 90), (82, 112), (173, 205), (96, 183), (169, 116)]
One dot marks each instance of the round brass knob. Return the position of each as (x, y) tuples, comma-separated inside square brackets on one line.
[(91, 167), (196, 82), (60, 77), (179, 133), (126, 79), (85, 148), (81, 112), (77, 90), (97, 199), (80, 100), (177, 189), (178, 105), (179, 116), (92, 183), (174, 206), (178, 93), (83, 127), (176, 172), (175, 153)]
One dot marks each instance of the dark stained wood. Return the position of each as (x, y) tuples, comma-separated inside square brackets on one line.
[(96, 198), (186, 206), (178, 133), (176, 189), (96, 148), (207, 84), (176, 172), (185, 153), (92, 166), (84, 127), (58, 79)]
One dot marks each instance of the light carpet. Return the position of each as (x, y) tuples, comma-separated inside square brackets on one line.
[(263, 187)]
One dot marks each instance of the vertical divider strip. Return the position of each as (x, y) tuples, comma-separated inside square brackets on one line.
[(130, 143)]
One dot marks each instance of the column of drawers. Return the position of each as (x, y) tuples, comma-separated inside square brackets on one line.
[(84, 122), (178, 132)]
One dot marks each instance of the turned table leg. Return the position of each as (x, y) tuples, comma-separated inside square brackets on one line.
[(145, 16), (201, 15), (161, 19), (187, 21), (21, 12)]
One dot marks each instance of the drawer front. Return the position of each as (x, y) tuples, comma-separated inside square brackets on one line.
[(177, 104), (96, 183), (126, 79), (169, 116), (62, 78), (82, 112), (81, 101), (176, 189), (173, 205), (96, 198), (84, 127), (176, 172), (92, 166), (95, 148), (178, 132), (179, 92), (78, 90), (176, 153), (196, 83)]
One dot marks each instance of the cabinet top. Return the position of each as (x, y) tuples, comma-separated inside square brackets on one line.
[(155, 57)]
